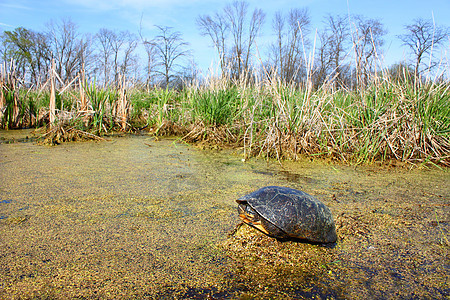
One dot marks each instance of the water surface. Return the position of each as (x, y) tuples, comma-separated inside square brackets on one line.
[(136, 217)]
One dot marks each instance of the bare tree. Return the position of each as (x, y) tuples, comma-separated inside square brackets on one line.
[(217, 28), (276, 49), (116, 53), (243, 40), (41, 53), (170, 49), (150, 68), (151, 64), (69, 49), (256, 22), (367, 42), (287, 53), (104, 37), (423, 39), (235, 14), (122, 44), (331, 54), (323, 61), (129, 59), (232, 27)]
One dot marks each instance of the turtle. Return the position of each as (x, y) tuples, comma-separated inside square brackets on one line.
[(286, 213)]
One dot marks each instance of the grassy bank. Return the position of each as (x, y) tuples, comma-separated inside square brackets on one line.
[(383, 121)]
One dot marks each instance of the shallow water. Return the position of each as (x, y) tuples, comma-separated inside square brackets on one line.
[(135, 217)]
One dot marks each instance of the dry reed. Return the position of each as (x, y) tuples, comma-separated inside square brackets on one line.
[(264, 116)]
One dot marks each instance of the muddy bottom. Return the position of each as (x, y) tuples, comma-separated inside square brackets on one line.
[(133, 217)]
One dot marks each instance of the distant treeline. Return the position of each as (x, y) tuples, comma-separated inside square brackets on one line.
[(346, 51)]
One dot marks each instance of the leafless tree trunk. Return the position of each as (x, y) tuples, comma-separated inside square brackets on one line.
[(334, 44), (256, 22), (287, 53), (235, 14), (233, 24), (217, 28), (104, 37), (122, 43), (52, 104), (323, 69), (367, 42), (116, 53), (243, 40), (128, 57), (150, 49)]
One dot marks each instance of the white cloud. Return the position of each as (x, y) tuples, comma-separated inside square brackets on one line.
[(6, 25), (15, 5)]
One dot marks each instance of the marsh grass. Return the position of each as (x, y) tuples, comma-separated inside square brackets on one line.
[(386, 120)]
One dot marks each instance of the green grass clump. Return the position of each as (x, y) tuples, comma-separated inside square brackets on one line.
[(215, 108)]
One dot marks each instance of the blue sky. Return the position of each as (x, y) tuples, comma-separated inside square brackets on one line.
[(121, 15)]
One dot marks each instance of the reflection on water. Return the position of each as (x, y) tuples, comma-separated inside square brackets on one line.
[(135, 217)]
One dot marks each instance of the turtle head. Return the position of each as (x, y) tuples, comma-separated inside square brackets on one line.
[(249, 216)]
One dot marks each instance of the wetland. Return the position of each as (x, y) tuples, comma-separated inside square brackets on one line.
[(139, 217)]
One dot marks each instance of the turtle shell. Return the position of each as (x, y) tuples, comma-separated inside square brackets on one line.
[(283, 213)]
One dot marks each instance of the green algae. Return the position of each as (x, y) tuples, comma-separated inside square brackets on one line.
[(133, 217)]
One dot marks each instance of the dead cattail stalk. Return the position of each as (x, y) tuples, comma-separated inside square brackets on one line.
[(2, 87), (9, 98), (52, 106), (122, 105)]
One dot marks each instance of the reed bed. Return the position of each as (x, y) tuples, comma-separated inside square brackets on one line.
[(386, 120)]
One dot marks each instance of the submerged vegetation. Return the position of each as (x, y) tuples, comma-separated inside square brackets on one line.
[(138, 218)]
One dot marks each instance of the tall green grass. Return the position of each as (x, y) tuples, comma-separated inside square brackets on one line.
[(95, 112), (215, 107), (385, 120)]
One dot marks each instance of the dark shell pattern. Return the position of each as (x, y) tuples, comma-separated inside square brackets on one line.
[(296, 213)]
